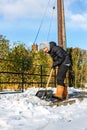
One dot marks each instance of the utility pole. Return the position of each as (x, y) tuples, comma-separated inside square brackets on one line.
[(61, 24)]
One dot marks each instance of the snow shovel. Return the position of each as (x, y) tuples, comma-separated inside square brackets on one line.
[(43, 94), (49, 78)]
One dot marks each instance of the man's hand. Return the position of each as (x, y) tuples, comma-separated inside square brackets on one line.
[(53, 66)]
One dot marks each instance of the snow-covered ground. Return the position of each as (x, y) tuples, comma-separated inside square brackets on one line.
[(25, 111)]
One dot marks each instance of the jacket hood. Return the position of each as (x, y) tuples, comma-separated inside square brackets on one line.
[(52, 44)]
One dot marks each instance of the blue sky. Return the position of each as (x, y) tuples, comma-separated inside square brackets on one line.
[(21, 19)]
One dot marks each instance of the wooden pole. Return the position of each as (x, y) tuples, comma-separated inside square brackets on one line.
[(61, 24)]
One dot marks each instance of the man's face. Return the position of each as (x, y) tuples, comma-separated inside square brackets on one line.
[(45, 50)]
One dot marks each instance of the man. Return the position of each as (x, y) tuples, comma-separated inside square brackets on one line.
[(60, 59)]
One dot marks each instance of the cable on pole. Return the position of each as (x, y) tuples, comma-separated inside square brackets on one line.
[(41, 21), (50, 23)]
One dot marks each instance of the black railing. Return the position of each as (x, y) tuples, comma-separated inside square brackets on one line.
[(19, 75)]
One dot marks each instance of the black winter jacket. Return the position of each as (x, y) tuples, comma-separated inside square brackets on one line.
[(59, 55)]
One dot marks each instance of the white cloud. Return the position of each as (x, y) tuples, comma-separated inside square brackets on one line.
[(75, 20), (80, 20), (11, 10)]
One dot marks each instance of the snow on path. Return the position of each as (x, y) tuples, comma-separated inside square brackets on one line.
[(26, 112)]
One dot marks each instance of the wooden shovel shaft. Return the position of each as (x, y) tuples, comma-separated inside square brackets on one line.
[(49, 78)]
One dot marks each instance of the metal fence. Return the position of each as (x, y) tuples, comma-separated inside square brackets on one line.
[(16, 76)]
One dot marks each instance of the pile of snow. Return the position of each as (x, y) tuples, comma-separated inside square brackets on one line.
[(25, 111)]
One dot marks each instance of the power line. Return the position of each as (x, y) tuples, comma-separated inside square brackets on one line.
[(41, 21), (50, 23)]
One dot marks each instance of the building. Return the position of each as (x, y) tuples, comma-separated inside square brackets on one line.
[(34, 47)]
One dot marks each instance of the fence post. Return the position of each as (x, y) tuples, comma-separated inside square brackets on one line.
[(54, 77), (41, 74), (22, 76)]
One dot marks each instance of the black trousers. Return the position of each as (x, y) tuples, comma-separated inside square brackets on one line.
[(61, 75)]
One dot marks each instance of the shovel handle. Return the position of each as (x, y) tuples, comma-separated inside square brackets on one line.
[(49, 78)]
